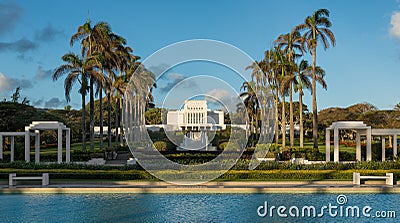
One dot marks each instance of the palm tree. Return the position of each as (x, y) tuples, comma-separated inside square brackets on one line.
[(289, 43), (270, 69), (76, 69), (282, 66), (316, 29), (92, 44), (258, 80), (252, 105), (301, 80), (141, 83)]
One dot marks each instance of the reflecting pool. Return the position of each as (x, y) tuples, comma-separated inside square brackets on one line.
[(200, 208)]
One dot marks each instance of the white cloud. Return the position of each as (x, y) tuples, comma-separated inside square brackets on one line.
[(42, 74), (228, 99), (55, 103), (4, 83), (8, 84), (395, 25)]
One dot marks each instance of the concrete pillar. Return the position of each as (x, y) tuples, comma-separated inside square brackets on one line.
[(358, 146), (328, 145), (1, 146), (59, 146), (27, 146), (336, 145), (394, 146), (37, 146), (383, 148), (369, 157), (68, 146), (12, 149)]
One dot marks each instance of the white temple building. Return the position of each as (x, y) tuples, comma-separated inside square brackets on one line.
[(196, 121)]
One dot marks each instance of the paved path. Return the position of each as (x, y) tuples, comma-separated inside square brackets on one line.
[(211, 187)]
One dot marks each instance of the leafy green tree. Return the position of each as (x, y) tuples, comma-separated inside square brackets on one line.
[(316, 29), (155, 116), (16, 95)]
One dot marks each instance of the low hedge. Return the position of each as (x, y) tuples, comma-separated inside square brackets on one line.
[(232, 175)]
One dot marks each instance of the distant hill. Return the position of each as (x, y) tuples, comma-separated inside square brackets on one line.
[(365, 112), (15, 116)]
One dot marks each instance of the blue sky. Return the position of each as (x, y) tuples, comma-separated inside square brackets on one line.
[(363, 67)]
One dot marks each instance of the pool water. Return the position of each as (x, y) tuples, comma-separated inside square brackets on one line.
[(195, 207)]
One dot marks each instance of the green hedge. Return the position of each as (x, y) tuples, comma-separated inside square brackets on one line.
[(232, 175)]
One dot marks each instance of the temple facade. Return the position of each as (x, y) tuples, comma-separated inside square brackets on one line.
[(196, 121)]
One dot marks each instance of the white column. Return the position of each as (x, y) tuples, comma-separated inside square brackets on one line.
[(12, 149), (37, 146), (383, 148), (59, 144), (27, 146), (369, 157), (68, 146), (328, 145), (1, 146), (358, 146), (336, 145), (394, 146)]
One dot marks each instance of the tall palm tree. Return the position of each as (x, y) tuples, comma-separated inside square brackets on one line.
[(76, 69), (259, 80), (290, 43), (140, 86), (316, 29), (251, 103), (282, 67), (301, 79), (92, 45), (270, 69)]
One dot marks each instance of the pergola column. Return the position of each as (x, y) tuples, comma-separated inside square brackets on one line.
[(369, 157), (394, 146), (59, 146), (328, 145), (1, 146), (358, 146), (383, 148), (27, 146), (12, 149), (336, 145), (68, 146), (37, 146)]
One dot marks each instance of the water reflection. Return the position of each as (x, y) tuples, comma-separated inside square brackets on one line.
[(177, 207)]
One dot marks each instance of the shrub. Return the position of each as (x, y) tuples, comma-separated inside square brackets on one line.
[(222, 145), (160, 145)]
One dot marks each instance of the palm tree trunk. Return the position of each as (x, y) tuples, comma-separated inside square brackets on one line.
[(117, 122), (83, 122), (91, 114), (314, 99), (122, 129), (276, 116), (109, 118), (283, 126), (301, 117), (291, 115), (101, 118)]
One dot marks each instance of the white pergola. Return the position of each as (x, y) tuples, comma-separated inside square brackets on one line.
[(36, 126), (387, 132), (12, 136), (361, 129)]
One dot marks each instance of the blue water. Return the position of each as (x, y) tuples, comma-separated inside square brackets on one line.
[(185, 207)]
